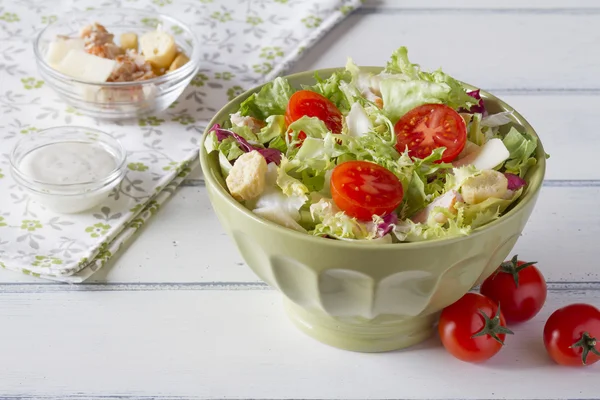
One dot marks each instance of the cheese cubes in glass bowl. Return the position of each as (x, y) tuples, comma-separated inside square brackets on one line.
[(117, 63)]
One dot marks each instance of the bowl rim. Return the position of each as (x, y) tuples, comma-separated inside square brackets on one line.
[(535, 182), (190, 68)]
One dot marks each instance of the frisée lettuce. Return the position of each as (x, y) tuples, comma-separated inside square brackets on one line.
[(438, 194)]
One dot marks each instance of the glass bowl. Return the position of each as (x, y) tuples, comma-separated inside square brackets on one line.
[(119, 100), (56, 167)]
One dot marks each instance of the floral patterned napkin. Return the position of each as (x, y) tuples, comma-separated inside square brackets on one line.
[(245, 43)]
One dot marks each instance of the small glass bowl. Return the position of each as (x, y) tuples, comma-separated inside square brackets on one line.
[(119, 100), (68, 198)]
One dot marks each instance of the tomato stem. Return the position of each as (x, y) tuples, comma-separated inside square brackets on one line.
[(588, 344), (493, 327), (512, 267)]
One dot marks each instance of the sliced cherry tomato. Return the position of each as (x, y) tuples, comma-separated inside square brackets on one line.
[(427, 127), (473, 329), (572, 335), (519, 287), (362, 189), (312, 104)]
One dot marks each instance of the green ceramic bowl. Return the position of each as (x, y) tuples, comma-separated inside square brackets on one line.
[(367, 298)]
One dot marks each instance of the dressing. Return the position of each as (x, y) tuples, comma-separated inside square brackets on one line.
[(66, 163), (68, 169)]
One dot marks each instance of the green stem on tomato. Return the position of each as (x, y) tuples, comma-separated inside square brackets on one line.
[(512, 267), (588, 344), (493, 327)]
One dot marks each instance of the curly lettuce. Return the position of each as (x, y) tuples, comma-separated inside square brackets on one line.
[(522, 148), (408, 87), (271, 100)]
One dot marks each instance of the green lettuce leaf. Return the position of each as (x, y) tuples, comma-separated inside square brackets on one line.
[(331, 221), (315, 154), (211, 143), (415, 197), (311, 126), (400, 96), (521, 148), (279, 144), (271, 100), (289, 185), (225, 165), (229, 147), (482, 213), (409, 87), (408, 231), (246, 133), (399, 64), (475, 134), (275, 128), (330, 88), (459, 175), (313, 180), (426, 183)]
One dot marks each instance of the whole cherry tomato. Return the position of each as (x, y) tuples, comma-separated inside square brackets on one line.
[(572, 335), (473, 329), (520, 289)]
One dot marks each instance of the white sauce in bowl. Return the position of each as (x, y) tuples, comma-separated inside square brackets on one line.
[(66, 163), (68, 169)]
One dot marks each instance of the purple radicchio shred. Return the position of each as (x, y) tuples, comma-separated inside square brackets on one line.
[(270, 155), (388, 224), (477, 108), (221, 133), (515, 182)]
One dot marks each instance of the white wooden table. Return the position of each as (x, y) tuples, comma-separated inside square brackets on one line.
[(190, 320)]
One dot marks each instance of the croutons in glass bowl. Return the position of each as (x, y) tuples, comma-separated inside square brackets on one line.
[(117, 64)]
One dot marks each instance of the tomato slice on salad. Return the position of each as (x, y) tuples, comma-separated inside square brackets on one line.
[(312, 104), (362, 188), (427, 127)]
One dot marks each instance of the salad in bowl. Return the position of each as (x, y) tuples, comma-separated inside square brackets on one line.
[(402, 155)]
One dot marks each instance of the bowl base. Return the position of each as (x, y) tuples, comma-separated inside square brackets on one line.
[(361, 335)]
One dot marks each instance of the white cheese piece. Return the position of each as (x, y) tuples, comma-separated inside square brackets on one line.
[(58, 49), (87, 67), (490, 155), (358, 121)]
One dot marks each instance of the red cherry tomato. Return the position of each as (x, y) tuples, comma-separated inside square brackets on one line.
[(572, 335), (427, 127), (362, 188), (520, 289), (473, 329), (312, 104)]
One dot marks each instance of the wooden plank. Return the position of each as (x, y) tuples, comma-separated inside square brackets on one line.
[(239, 344), (491, 50), (186, 243), (565, 124)]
